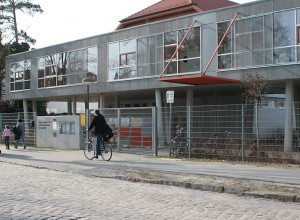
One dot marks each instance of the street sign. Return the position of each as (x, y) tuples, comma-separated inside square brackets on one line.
[(170, 96)]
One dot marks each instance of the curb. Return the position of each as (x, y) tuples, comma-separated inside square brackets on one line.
[(214, 188), (278, 197), (239, 191)]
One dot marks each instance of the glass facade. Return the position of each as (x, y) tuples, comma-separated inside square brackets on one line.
[(187, 58), (150, 55), (261, 40), (20, 75), (147, 56), (122, 60), (67, 68), (267, 39)]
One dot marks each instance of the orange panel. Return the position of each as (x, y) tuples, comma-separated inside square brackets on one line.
[(136, 132), (147, 141), (125, 132), (136, 141)]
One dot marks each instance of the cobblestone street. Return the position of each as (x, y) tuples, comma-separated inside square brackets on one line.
[(32, 193)]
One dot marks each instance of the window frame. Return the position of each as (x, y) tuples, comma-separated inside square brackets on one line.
[(126, 59), (20, 75)]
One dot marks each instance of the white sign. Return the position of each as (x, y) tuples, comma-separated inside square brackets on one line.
[(170, 96)]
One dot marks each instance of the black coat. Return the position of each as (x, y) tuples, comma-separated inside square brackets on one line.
[(100, 124)]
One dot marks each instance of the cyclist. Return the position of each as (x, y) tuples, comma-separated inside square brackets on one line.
[(101, 127)]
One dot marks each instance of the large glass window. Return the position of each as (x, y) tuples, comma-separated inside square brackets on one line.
[(261, 40), (225, 58), (150, 55), (249, 41), (20, 75), (284, 37), (122, 60), (187, 58), (147, 56), (67, 68), (135, 58), (127, 59), (298, 34), (284, 29)]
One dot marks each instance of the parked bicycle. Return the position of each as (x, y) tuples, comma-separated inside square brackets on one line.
[(179, 147), (90, 148), (179, 143), (215, 142)]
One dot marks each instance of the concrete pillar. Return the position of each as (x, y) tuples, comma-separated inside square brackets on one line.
[(34, 106), (116, 103), (160, 127), (69, 107), (74, 105), (288, 125), (101, 101), (25, 110), (189, 97), (297, 107)]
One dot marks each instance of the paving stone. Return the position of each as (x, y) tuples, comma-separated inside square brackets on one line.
[(31, 193)]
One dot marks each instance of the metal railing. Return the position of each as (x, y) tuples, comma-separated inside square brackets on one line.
[(29, 119), (213, 132), (228, 132)]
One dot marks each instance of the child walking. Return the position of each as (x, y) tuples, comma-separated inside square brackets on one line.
[(6, 136)]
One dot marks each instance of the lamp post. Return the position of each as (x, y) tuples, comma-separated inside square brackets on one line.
[(87, 81)]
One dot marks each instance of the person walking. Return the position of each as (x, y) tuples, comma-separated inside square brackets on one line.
[(21, 132), (6, 136), (101, 127)]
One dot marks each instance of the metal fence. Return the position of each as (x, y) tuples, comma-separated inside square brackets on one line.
[(10, 119), (232, 132), (213, 132), (134, 129)]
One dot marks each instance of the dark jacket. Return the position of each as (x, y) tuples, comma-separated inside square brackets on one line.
[(100, 124)]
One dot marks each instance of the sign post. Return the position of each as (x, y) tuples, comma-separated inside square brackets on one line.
[(170, 100)]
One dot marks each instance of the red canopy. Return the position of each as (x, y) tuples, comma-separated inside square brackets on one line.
[(197, 80)]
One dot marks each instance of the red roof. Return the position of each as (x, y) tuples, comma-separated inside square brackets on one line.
[(165, 5)]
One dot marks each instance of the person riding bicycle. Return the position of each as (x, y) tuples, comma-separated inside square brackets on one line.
[(101, 127)]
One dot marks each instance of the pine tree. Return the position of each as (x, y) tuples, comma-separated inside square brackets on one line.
[(8, 17)]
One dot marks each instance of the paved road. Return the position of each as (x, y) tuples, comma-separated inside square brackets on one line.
[(31, 193), (66, 160)]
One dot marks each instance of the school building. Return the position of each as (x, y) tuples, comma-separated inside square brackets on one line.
[(201, 50)]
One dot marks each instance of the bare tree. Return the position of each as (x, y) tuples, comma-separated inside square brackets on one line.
[(254, 86)]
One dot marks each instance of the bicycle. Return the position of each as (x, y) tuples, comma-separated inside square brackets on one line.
[(179, 146), (90, 148), (215, 142)]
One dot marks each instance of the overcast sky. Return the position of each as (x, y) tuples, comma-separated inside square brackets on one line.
[(68, 20)]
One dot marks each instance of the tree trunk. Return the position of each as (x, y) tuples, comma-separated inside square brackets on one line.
[(15, 22)]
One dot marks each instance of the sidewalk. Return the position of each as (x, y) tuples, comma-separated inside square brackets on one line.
[(279, 182)]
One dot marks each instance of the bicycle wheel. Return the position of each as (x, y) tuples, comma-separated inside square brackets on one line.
[(89, 150), (106, 151), (174, 151), (209, 144)]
